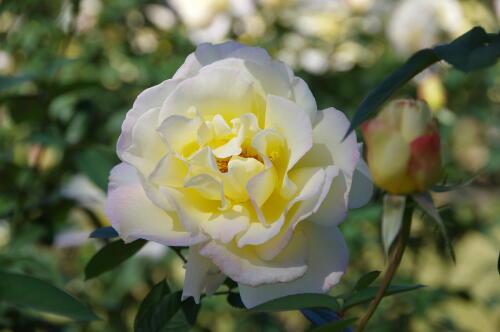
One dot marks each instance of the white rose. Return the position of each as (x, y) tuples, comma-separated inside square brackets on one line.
[(232, 158)]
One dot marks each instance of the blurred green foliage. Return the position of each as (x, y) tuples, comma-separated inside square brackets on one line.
[(70, 70)]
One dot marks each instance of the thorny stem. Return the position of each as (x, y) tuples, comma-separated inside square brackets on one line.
[(391, 270)]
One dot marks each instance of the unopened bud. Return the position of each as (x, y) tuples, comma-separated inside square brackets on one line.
[(403, 147)]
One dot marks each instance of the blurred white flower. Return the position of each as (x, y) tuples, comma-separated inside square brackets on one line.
[(160, 16), (314, 61), (210, 20), (417, 24)]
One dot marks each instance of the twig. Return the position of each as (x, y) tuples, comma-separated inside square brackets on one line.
[(391, 270), (177, 250)]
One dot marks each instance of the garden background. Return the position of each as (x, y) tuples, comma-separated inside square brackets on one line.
[(70, 70)]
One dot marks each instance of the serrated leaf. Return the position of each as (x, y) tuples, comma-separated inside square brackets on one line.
[(104, 233), (299, 301), (168, 314), (394, 206), (320, 316), (340, 326), (39, 295), (426, 203), (473, 50), (367, 294), (110, 256), (366, 280)]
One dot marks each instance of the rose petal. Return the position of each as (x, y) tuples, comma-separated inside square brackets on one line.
[(201, 274), (134, 216), (244, 266), (290, 120), (327, 257)]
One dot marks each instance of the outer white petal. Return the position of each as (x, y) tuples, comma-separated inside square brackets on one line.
[(148, 99), (362, 186), (122, 174), (224, 91), (304, 97), (146, 148), (134, 216), (290, 120), (207, 53), (327, 261), (244, 266), (328, 147), (201, 274)]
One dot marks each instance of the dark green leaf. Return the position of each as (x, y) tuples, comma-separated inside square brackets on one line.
[(96, 163), (7, 82), (168, 314), (110, 256), (335, 326), (368, 294), (158, 291), (299, 301), (473, 50), (104, 233), (418, 62), (366, 280), (427, 205), (234, 299), (39, 295), (446, 188), (230, 283)]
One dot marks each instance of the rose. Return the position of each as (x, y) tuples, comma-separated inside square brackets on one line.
[(232, 158), (403, 147)]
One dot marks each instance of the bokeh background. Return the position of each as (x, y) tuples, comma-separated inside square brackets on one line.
[(70, 70)]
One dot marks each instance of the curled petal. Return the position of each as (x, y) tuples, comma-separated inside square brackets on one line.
[(201, 274), (134, 216), (245, 267), (327, 257)]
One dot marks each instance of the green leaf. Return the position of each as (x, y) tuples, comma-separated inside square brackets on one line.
[(367, 294), (414, 65), (166, 313), (7, 82), (299, 301), (366, 280), (96, 163), (104, 233), (425, 202), (110, 256), (394, 206), (154, 296), (473, 50), (39, 295), (234, 299), (335, 326), (446, 188)]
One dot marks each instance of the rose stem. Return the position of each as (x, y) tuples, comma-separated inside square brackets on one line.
[(391, 269)]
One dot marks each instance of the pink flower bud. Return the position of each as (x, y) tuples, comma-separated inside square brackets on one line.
[(403, 147)]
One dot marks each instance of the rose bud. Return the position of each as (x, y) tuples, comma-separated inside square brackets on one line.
[(403, 147)]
